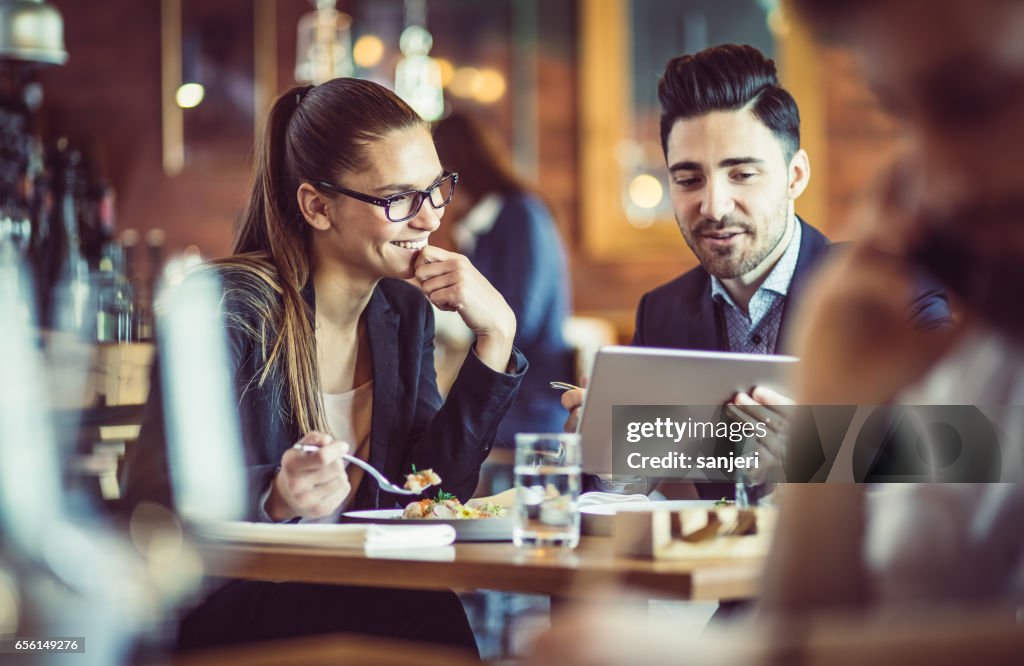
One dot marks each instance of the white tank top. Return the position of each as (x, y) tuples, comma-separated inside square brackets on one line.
[(349, 416)]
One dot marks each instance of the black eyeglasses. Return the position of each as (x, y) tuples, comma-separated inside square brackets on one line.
[(404, 205)]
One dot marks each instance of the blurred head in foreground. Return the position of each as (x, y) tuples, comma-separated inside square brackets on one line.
[(954, 71)]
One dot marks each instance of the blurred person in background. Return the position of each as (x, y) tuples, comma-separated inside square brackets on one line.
[(953, 72), (511, 237), (332, 347)]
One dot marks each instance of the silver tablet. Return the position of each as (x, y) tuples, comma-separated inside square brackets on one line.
[(651, 376)]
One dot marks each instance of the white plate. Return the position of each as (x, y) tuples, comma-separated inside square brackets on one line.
[(597, 519), (467, 529)]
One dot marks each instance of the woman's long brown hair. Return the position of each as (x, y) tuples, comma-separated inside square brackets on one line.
[(312, 133)]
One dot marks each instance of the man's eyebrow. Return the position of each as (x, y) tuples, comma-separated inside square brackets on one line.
[(737, 161), (689, 165), (686, 166)]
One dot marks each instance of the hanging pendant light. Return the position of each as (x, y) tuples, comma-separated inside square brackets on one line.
[(31, 31), (324, 47), (418, 76)]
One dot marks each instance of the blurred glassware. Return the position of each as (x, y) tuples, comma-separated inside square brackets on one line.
[(15, 228), (65, 578), (69, 307), (29, 468), (115, 298), (41, 253), (15, 163), (203, 434), (417, 75), (144, 286), (324, 45), (547, 482), (63, 571)]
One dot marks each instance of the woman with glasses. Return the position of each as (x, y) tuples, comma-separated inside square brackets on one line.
[(327, 299)]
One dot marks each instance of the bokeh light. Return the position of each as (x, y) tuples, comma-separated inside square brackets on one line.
[(189, 95), (368, 50), (464, 82), (645, 191), (489, 86)]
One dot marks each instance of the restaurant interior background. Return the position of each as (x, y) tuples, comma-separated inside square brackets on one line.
[(570, 83), (164, 164)]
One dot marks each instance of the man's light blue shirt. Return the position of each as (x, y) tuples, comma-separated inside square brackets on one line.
[(757, 331)]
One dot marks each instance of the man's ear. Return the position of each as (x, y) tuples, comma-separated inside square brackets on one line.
[(799, 174), (313, 206)]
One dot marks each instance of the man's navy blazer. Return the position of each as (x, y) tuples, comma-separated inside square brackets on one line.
[(682, 315)]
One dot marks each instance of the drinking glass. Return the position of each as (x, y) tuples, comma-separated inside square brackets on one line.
[(547, 483)]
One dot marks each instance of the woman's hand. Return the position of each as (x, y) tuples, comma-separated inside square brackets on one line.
[(310, 484), (452, 283)]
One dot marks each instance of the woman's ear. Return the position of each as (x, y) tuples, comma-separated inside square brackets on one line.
[(313, 206)]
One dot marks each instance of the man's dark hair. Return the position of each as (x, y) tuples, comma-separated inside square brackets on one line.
[(728, 78)]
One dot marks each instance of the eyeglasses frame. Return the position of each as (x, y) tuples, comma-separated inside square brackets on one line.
[(386, 202)]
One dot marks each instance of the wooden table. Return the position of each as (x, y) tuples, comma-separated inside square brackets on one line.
[(587, 571), (326, 651)]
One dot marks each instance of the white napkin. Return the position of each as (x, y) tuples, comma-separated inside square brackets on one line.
[(594, 498), (376, 537), (440, 554)]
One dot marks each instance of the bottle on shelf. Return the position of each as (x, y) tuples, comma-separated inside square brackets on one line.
[(115, 297), (15, 225), (45, 244), (146, 289), (129, 240), (70, 303)]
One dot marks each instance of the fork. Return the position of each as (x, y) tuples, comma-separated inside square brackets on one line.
[(384, 484)]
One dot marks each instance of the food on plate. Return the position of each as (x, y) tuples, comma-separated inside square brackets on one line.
[(447, 507), (421, 480)]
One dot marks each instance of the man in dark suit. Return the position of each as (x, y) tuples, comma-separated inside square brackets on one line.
[(731, 137)]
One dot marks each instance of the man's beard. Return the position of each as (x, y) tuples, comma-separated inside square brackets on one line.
[(978, 253), (727, 263)]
